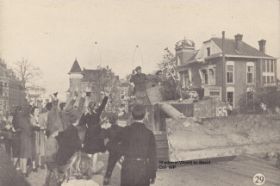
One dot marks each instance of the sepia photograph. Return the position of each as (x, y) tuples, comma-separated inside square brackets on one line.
[(139, 93)]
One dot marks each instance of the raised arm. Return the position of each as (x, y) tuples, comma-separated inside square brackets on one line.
[(102, 106), (81, 103)]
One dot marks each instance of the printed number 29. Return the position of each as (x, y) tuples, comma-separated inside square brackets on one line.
[(259, 179)]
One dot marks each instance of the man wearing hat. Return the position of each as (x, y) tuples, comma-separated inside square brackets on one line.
[(139, 81), (139, 150)]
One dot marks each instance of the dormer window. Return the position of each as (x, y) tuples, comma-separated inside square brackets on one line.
[(208, 51)]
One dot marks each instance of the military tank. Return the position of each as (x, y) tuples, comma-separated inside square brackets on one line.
[(186, 130)]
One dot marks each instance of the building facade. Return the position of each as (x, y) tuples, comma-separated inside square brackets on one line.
[(12, 93), (227, 69), (94, 82)]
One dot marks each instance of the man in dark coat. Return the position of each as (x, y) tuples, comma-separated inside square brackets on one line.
[(68, 140), (113, 145), (139, 150)]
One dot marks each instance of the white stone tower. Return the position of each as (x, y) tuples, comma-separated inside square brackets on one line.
[(75, 78)]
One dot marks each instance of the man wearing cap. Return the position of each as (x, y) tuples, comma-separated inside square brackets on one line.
[(139, 150), (139, 81)]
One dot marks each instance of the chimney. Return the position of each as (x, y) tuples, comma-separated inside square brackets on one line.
[(238, 40), (262, 45), (223, 40)]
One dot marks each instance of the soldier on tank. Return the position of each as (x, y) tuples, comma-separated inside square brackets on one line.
[(139, 81)]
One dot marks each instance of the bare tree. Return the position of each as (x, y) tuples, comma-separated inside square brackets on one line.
[(169, 69), (26, 72)]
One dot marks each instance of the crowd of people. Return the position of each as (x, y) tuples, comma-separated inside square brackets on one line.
[(66, 139)]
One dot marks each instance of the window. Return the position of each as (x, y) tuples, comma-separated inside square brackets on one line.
[(230, 98), (267, 66), (250, 96), (250, 72), (205, 76), (264, 66), (271, 66), (268, 73), (178, 60), (187, 80), (212, 77), (208, 51), (230, 72), (230, 95)]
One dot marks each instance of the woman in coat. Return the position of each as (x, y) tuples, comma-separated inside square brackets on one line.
[(34, 119), (26, 136), (43, 116), (94, 141), (16, 137)]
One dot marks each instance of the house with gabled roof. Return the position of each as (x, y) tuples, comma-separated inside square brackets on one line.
[(228, 69)]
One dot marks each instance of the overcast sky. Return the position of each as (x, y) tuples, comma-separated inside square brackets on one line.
[(52, 33)]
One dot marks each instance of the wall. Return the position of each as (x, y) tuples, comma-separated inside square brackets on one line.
[(214, 49), (184, 55), (258, 73), (16, 94), (75, 82), (240, 82)]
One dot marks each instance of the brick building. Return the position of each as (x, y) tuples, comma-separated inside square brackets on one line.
[(94, 81), (12, 93), (228, 69)]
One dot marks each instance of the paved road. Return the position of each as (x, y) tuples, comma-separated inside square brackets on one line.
[(238, 172)]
